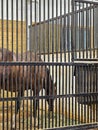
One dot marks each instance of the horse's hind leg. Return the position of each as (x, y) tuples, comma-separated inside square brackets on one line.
[(35, 108), (17, 107), (35, 105)]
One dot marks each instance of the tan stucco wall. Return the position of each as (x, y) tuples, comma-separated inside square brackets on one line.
[(9, 36)]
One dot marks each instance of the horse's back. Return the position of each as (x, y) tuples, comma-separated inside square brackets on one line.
[(29, 56)]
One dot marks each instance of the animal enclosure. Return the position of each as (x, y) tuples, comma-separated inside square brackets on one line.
[(48, 64)]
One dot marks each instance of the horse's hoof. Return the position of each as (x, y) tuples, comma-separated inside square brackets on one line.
[(13, 129)]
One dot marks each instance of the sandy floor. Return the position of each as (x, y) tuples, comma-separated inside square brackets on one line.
[(24, 119)]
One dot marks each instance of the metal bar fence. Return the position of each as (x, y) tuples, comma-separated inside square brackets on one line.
[(48, 64)]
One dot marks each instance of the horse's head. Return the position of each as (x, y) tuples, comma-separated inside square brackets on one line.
[(51, 90), (5, 55)]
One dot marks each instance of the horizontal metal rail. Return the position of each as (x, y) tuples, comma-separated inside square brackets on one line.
[(85, 59), (50, 97), (77, 127), (26, 63), (65, 15), (87, 1)]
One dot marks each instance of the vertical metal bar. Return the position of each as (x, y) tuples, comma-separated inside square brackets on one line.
[(97, 39), (26, 72), (31, 88), (56, 48), (17, 44), (53, 53), (49, 102), (7, 56), (69, 97), (68, 31), (7, 23), (83, 31), (72, 69), (92, 78), (79, 79), (66, 97), (59, 94), (26, 15), (72, 31), (22, 68), (48, 29), (16, 84), (87, 91), (7, 85), (45, 101), (19, 98), (2, 25), (35, 80), (52, 95), (56, 99), (23, 83), (76, 29), (91, 91), (86, 32), (76, 84), (11, 97), (12, 24), (94, 89), (65, 42), (3, 101), (31, 19), (67, 110), (96, 96), (81, 28), (82, 90), (85, 85), (35, 29), (90, 27), (42, 117), (39, 42), (61, 31), (45, 46), (22, 25), (79, 31), (44, 10), (63, 94), (39, 83), (52, 31), (93, 33), (56, 30)]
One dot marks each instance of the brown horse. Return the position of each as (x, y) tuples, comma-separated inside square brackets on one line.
[(26, 77), (41, 79)]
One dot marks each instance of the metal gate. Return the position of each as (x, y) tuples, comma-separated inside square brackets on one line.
[(48, 64)]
